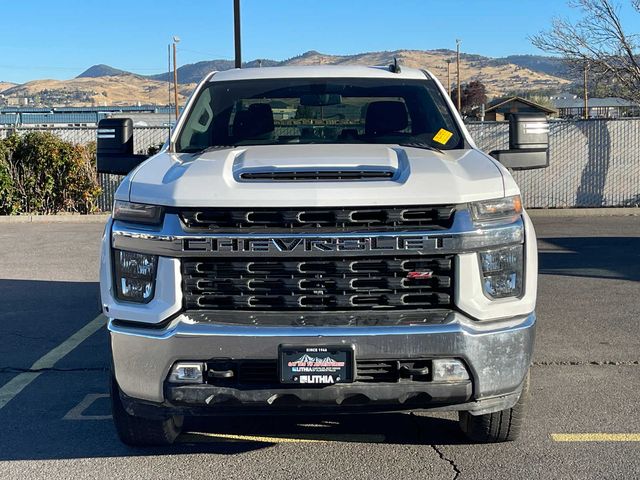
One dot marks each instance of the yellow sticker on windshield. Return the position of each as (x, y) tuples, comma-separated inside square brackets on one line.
[(443, 136)]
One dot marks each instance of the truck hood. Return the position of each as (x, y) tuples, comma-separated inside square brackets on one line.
[(218, 178)]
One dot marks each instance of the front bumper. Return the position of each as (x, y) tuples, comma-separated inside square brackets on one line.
[(496, 353)]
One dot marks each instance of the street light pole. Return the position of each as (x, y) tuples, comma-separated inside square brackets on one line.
[(236, 32), (169, 77), (449, 77), (175, 76), (458, 74)]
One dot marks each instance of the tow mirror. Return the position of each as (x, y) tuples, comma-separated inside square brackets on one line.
[(114, 151), (528, 142)]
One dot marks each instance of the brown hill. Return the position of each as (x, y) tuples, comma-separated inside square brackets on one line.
[(100, 91), (105, 86), (500, 78), (6, 85)]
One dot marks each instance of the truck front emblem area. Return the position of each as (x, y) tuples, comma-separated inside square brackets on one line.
[(285, 246)]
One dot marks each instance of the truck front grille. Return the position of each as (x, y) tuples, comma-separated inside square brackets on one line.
[(394, 282), (316, 220)]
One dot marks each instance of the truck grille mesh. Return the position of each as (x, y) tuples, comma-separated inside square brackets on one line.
[(333, 219), (324, 284)]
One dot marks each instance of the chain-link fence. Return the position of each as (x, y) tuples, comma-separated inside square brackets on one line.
[(594, 163)]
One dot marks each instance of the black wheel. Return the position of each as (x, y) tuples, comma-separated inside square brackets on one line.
[(139, 431), (501, 426)]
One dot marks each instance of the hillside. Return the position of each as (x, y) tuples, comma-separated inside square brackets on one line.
[(111, 90), (194, 72), (499, 77), (106, 85), (102, 70), (502, 75), (539, 63), (6, 85)]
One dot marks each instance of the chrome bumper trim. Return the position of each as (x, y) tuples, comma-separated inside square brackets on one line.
[(497, 353)]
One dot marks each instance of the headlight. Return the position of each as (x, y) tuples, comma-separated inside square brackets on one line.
[(502, 271), (496, 209), (135, 276), (137, 212)]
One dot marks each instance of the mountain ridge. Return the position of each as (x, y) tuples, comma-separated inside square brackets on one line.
[(501, 76)]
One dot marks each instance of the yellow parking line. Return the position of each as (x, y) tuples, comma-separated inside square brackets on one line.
[(18, 383), (595, 437), (292, 438)]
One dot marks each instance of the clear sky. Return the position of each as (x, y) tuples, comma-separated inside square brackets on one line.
[(60, 39)]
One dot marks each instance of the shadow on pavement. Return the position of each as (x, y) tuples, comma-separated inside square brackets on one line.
[(597, 257), (37, 315), (232, 435), (47, 295)]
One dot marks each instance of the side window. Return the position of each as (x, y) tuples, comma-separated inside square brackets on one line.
[(195, 132)]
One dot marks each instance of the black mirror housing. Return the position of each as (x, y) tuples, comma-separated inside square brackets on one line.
[(528, 142), (114, 150)]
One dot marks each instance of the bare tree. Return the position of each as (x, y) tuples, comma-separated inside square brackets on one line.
[(598, 40)]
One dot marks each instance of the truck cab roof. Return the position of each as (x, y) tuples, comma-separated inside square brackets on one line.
[(318, 71)]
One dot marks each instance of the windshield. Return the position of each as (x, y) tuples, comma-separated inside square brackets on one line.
[(322, 110)]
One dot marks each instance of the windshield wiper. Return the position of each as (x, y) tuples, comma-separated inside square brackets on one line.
[(210, 148), (423, 145)]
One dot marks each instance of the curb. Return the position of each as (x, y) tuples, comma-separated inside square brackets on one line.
[(100, 218), (584, 212)]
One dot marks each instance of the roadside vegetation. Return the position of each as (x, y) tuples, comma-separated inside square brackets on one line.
[(42, 174)]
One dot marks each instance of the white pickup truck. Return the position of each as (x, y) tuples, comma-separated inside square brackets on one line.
[(319, 240)]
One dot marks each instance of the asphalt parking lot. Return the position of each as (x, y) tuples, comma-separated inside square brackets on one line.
[(583, 420)]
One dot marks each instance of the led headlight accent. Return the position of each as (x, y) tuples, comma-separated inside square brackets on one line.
[(502, 271), (137, 212), (496, 209), (135, 276)]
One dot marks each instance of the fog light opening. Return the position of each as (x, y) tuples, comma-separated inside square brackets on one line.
[(449, 370), (187, 372)]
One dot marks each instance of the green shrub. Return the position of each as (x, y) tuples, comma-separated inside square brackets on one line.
[(40, 173)]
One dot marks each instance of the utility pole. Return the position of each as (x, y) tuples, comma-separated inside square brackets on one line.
[(169, 77), (175, 76), (236, 32), (449, 77), (586, 92), (458, 74)]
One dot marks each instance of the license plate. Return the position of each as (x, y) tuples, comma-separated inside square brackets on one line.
[(316, 365)]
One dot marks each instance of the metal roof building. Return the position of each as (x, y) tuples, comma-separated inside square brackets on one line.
[(81, 116), (609, 107)]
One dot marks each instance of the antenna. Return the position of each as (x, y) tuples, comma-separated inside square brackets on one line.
[(394, 67)]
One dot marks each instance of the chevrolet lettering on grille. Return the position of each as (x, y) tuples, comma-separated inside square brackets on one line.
[(313, 246)]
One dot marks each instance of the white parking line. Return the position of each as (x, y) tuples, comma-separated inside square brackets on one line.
[(18, 383), (77, 412)]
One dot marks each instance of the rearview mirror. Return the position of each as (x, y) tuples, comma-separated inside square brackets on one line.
[(528, 142), (114, 150), (320, 100)]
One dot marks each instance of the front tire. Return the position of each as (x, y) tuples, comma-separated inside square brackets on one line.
[(139, 431), (502, 426)]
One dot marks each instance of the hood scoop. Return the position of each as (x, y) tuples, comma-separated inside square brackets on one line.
[(316, 175), (319, 163)]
